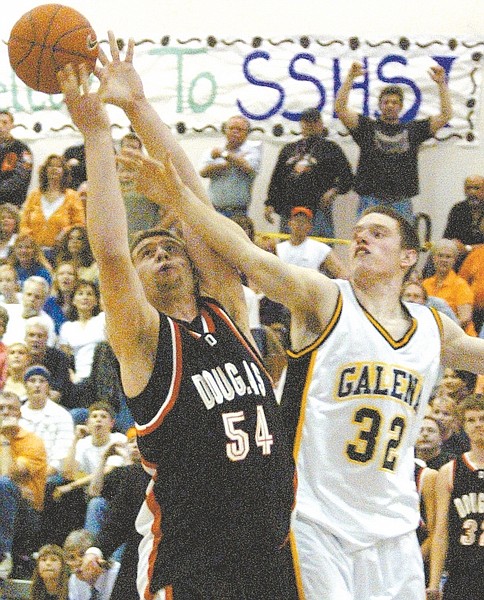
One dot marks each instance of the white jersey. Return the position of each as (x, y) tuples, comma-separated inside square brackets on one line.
[(310, 253), (356, 398)]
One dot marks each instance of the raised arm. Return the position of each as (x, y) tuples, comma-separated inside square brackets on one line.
[(459, 350), (121, 86), (123, 295), (290, 285), (348, 117), (437, 74)]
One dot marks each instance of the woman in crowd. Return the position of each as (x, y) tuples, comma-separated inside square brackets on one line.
[(80, 336), (59, 305), (18, 359), (28, 259), (53, 207), (74, 247), (9, 224), (50, 579)]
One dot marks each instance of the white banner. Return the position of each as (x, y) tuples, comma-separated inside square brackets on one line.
[(196, 84)]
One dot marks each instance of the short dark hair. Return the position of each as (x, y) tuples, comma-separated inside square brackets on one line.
[(471, 402), (102, 405), (138, 236), (437, 422), (390, 90), (408, 232), (310, 115)]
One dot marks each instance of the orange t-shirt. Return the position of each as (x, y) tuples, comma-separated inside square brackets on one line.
[(30, 449), (472, 270)]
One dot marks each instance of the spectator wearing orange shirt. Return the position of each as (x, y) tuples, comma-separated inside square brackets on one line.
[(472, 270), (446, 284), (53, 207)]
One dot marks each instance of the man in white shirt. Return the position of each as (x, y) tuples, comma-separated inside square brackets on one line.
[(232, 168), (48, 420), (303, 251), (35, 293)]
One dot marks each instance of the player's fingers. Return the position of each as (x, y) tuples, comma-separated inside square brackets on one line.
[(68, 82), (130, 51), (113, 45), (103, 59), (84, 77)]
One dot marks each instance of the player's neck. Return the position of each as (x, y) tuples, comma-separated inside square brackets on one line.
[(380, 295), (180, 308), (427, 455), (297, 240)]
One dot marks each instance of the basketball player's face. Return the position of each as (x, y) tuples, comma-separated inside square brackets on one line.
[(474, 426), (376, 246), (161, 260)]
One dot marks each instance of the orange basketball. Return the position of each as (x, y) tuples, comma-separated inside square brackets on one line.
[(46, 39)]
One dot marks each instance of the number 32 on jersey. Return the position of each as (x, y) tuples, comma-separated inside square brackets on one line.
[(371, 425)]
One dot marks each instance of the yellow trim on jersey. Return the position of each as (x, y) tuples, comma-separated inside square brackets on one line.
[(440, 325), (297, 566), (302, 410), (396, 344), (327, 330)]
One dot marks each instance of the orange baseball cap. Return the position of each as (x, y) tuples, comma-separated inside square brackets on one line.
[(302, 210)]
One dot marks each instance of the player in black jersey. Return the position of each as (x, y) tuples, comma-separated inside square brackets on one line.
[(458, 544), (216, 517)]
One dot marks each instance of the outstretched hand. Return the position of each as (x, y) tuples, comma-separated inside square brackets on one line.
[(157, 180), (86, 108), (120, 84), (437, 74), (356, 70)]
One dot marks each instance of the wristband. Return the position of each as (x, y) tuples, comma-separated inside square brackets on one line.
[(224, 154)]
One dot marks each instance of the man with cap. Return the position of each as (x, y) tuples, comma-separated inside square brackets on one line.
[(51, 422), (301, 250), (310, 172)]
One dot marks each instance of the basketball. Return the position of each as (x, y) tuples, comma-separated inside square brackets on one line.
[(45, 40)]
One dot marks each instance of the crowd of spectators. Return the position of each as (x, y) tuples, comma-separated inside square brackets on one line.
[(70, 474)]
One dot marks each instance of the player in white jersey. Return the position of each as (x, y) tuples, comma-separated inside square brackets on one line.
[(357, 507)]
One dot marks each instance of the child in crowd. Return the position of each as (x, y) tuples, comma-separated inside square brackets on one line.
[(50, 579), (98, 580)]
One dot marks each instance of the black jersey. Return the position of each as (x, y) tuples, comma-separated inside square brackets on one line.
[(466, 519), (419, 472), (210, 431)]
